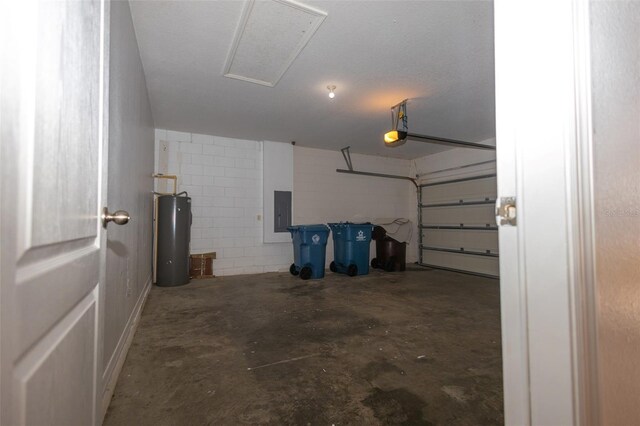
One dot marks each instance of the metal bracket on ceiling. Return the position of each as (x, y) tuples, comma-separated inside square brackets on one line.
[(347, 157)]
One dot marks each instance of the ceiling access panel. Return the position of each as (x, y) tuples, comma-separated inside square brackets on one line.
[(270, 36)]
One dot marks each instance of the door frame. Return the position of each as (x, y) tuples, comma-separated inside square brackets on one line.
[(105, 39), (544, 158)]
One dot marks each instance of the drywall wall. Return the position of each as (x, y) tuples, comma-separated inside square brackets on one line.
[(615, 31), (449, 165), (128, 267), (322, 195), (223, 177), (454, 159)]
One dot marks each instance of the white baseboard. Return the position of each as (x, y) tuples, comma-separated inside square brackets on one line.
[(112, 372)]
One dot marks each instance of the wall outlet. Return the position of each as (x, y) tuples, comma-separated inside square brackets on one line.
[(259, 217)]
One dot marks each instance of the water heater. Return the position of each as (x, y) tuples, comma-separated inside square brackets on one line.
[(174, 236)]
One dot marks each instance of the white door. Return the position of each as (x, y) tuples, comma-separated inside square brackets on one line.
[(53, 164), (542, 132)]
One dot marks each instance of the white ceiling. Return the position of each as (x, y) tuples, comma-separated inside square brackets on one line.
[(377, 53)]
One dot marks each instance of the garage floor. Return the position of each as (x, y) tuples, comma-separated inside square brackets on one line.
[(415, 348)]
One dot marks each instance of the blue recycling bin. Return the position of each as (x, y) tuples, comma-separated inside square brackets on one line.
[(351, 248), (309, 250)]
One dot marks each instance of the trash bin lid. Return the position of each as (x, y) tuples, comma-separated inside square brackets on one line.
[(378, 233), (319, 227), (350, 224)]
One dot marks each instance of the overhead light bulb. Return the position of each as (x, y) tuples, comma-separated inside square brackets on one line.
[(331, 91)]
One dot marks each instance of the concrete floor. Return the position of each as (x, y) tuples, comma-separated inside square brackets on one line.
[(420, 347)]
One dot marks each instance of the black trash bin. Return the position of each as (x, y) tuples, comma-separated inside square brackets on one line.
[(391, 254)]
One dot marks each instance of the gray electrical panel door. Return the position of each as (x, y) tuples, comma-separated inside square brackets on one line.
[(282, 211)]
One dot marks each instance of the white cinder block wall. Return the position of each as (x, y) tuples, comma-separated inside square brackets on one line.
[(224, 179), (322, 195), (223, 176)]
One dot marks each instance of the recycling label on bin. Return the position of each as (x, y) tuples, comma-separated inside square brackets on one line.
[(360, 236), (315, 239)]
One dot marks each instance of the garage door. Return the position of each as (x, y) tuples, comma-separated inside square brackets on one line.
[(457, 225)]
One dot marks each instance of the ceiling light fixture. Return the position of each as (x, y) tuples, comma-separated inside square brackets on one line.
[(331, 91), (398, 135)]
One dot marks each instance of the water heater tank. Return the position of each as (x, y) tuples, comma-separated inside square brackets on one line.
[(174, 236)]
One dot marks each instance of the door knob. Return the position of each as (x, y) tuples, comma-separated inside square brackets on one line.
[(120, 217)]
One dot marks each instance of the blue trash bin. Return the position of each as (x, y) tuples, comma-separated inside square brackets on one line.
[(351, 248), (309, 250)]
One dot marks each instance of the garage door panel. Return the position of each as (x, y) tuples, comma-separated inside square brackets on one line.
[(470, 240), (469, 215), (475, 264), (475, 189)]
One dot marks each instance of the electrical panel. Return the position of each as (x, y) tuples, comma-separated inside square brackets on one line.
[(281, 211)]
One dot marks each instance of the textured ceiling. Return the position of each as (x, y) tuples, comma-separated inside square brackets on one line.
[(377, 53)]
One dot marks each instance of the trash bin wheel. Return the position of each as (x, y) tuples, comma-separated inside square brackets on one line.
[(305, 273), (293, 269), (374, 262), (352, 270), (390, 264), (333, 267)]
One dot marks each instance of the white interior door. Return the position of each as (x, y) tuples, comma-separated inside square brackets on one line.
[(53, 160), (542, 131)]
